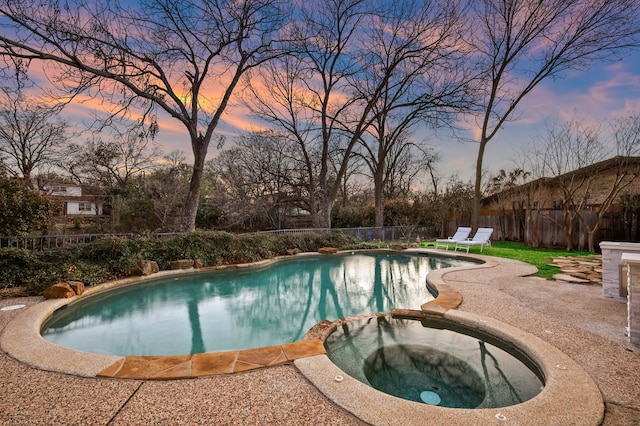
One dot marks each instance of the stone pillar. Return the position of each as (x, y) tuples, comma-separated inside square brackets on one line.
[(612, 265), (632, 260)]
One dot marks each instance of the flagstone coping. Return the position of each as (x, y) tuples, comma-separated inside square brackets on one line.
[(21, 339), (569, 393), (207, 364)]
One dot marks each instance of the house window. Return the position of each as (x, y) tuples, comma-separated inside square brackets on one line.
[(84, 207)]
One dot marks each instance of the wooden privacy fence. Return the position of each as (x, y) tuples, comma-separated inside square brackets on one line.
[(546, 227)]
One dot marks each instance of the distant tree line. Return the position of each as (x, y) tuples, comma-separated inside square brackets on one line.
[(350, 90)]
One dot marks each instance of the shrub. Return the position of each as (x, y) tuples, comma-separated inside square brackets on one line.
[(109, 258), (23, 268), (22, 210)]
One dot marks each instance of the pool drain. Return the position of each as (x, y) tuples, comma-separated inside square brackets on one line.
[(430, 397)]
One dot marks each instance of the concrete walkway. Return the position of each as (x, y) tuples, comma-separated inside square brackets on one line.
[(572, 317)]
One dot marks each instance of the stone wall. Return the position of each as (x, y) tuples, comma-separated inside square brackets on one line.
[(612, 265), (632, 260)]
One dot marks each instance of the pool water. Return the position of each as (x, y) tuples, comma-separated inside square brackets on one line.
[(243, 308), (434, 363), (433, 376)]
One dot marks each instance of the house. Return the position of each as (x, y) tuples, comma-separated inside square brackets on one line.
[(75, 199), (537, 209), (591, 185)]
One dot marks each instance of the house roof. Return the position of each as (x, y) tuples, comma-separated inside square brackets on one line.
[(590, 170), (71, 198)]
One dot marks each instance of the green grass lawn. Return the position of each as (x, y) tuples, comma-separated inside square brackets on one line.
[(540, 258)]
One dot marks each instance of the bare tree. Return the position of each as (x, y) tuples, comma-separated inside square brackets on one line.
[(309, 95), (31, 132), (571, 147), (519, 44), (184, 57), (258, 181), (568, 147), (112, 161), (163, 187), (626, 135), (393, 161), (414, 77), (356, 60)]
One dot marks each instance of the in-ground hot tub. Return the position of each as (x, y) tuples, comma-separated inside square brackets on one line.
[(552, 387), (434, 362)]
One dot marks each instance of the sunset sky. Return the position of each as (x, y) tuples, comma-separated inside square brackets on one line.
[(608, 90)]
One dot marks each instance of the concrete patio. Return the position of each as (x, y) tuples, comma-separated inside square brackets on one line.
[(574, 318)]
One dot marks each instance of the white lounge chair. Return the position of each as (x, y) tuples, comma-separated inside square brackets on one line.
[(481, 238), (461, 234)]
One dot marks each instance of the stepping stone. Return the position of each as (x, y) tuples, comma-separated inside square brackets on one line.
[(573, 270), (594, 277), (570, 279)]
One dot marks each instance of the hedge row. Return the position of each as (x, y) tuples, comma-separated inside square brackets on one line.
[(111, 258)]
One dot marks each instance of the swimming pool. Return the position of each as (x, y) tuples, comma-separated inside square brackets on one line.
[(243, 308)]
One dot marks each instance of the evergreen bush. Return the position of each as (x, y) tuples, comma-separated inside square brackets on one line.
[(110, 257)]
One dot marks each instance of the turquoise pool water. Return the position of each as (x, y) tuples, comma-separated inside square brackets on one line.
[(243, 308)]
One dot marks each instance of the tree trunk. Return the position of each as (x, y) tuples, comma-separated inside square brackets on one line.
[(193, 196), (379, 200), (477, 194), (567, 228), (379, 208), (325, 212), (592, 240)]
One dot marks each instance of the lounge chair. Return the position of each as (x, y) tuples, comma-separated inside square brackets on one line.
[(461, 234), (481, 238)]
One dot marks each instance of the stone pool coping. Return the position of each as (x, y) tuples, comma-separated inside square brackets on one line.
[(21, 339), (569, 397)]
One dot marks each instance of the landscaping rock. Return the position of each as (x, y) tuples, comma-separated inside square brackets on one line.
[(197, 263), (293, 251), (59, 291), (148, 267), (398, 247), (327, 250), (181, 264), (77, 287)]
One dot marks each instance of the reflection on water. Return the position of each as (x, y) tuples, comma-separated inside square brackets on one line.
[(407, 371), (243, 308), (405, 359)]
